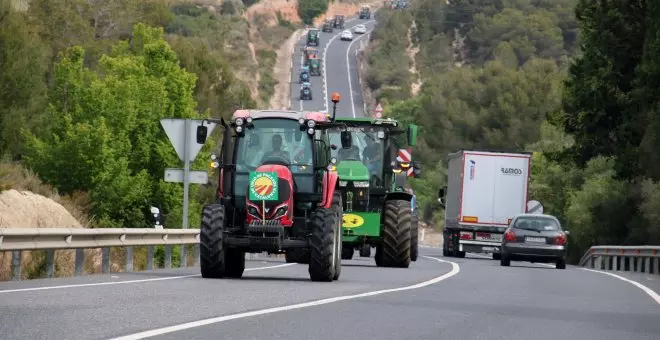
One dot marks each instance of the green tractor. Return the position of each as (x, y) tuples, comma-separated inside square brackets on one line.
[(313, 37), (377, 207)]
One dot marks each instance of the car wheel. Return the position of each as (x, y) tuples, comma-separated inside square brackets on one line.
[(504, 261), (561, 263)]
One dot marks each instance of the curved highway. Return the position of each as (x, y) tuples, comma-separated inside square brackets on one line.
[(339, 72), (436, 298)]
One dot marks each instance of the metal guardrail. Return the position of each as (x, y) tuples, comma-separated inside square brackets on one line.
[(18, 240), (639, 259)]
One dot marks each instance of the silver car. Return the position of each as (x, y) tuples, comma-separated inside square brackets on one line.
[(534, 238)]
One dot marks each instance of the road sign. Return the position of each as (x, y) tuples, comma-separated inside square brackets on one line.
[(534, 207), (263, 186), (404, 156), (176, 132), (194, 176), (410, 172)]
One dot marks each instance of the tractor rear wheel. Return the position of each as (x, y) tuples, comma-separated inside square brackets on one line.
[(396, 233), (324, 257), (414, 237), (216, 261)]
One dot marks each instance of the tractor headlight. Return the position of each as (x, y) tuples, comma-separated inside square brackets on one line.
[(239, 129), (301, 121), (249, 120), (310, 131), (281, 211), (239, 121), (361, 184), (253, 211), (311, 123)]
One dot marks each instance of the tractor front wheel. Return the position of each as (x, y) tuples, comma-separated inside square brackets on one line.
[(396, 234), (324, 257), (217, 261)]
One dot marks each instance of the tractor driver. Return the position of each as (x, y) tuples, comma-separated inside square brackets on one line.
[(372, 156), (277, 149)]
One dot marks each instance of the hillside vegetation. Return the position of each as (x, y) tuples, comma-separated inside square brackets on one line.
[(511, 76)]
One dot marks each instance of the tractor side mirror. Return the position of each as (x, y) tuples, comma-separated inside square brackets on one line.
[(411, 134), (202, 131), (346, 139)]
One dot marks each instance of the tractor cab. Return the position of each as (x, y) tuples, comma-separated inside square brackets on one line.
[(304, 74), (315, 66), (339, 21), (313, 37), (327, 26), (276, 193), (365, 12), (309, 52)]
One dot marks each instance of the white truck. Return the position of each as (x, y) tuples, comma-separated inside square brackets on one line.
[(484, 191)]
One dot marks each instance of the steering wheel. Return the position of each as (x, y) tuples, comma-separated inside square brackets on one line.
[(276, 160)]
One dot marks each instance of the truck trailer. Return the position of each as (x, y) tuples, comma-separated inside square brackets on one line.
[(484, 191)]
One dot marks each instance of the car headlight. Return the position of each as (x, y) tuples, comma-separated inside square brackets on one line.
[(253, 211), (361, 184), (281, 211)]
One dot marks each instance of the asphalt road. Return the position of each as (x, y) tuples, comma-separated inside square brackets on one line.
[(339, 72), (471, 298)]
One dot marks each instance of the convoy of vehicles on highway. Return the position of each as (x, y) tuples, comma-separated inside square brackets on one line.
[(316, 188)]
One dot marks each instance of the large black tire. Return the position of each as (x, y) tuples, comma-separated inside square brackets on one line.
[(323, 247), (396, 234), (414, 237), (216, 261)]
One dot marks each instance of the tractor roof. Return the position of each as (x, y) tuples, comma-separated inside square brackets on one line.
[(294, 115), (369, 121)]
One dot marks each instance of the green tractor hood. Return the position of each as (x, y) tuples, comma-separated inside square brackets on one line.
[(349, 170)]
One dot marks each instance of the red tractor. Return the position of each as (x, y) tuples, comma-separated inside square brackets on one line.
[(301, 218)]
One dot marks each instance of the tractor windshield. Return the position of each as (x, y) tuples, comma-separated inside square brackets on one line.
[(367, 148), (275, 139)]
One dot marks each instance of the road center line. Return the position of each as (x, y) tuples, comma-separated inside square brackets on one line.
[(165, 330), (646, 289), (129, 281)]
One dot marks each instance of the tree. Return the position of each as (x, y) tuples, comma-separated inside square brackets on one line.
[(106, 136)]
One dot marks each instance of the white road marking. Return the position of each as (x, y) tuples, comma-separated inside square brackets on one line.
[(348, 67), (127, 282), (646, 289), (325, 74), (165, 330)]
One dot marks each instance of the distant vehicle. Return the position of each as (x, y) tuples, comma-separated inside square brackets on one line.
[(314, 66), (306, 91), (309, 52), (485, 191), (313, 37), (338, 22), (328, 26), (304, 75), (365, 12), (534, 238), (360, 29), (346, 35)]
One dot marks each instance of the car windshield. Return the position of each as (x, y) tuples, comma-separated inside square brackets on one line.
[(366, 148), (536, 223)]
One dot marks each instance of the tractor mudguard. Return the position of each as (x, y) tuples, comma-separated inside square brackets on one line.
[(329, 187), (398, 195)]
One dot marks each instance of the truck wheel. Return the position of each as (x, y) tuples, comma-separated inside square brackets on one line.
[(414, 238), (324, 259), (365, 250), (216, 261), (396, 234)]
